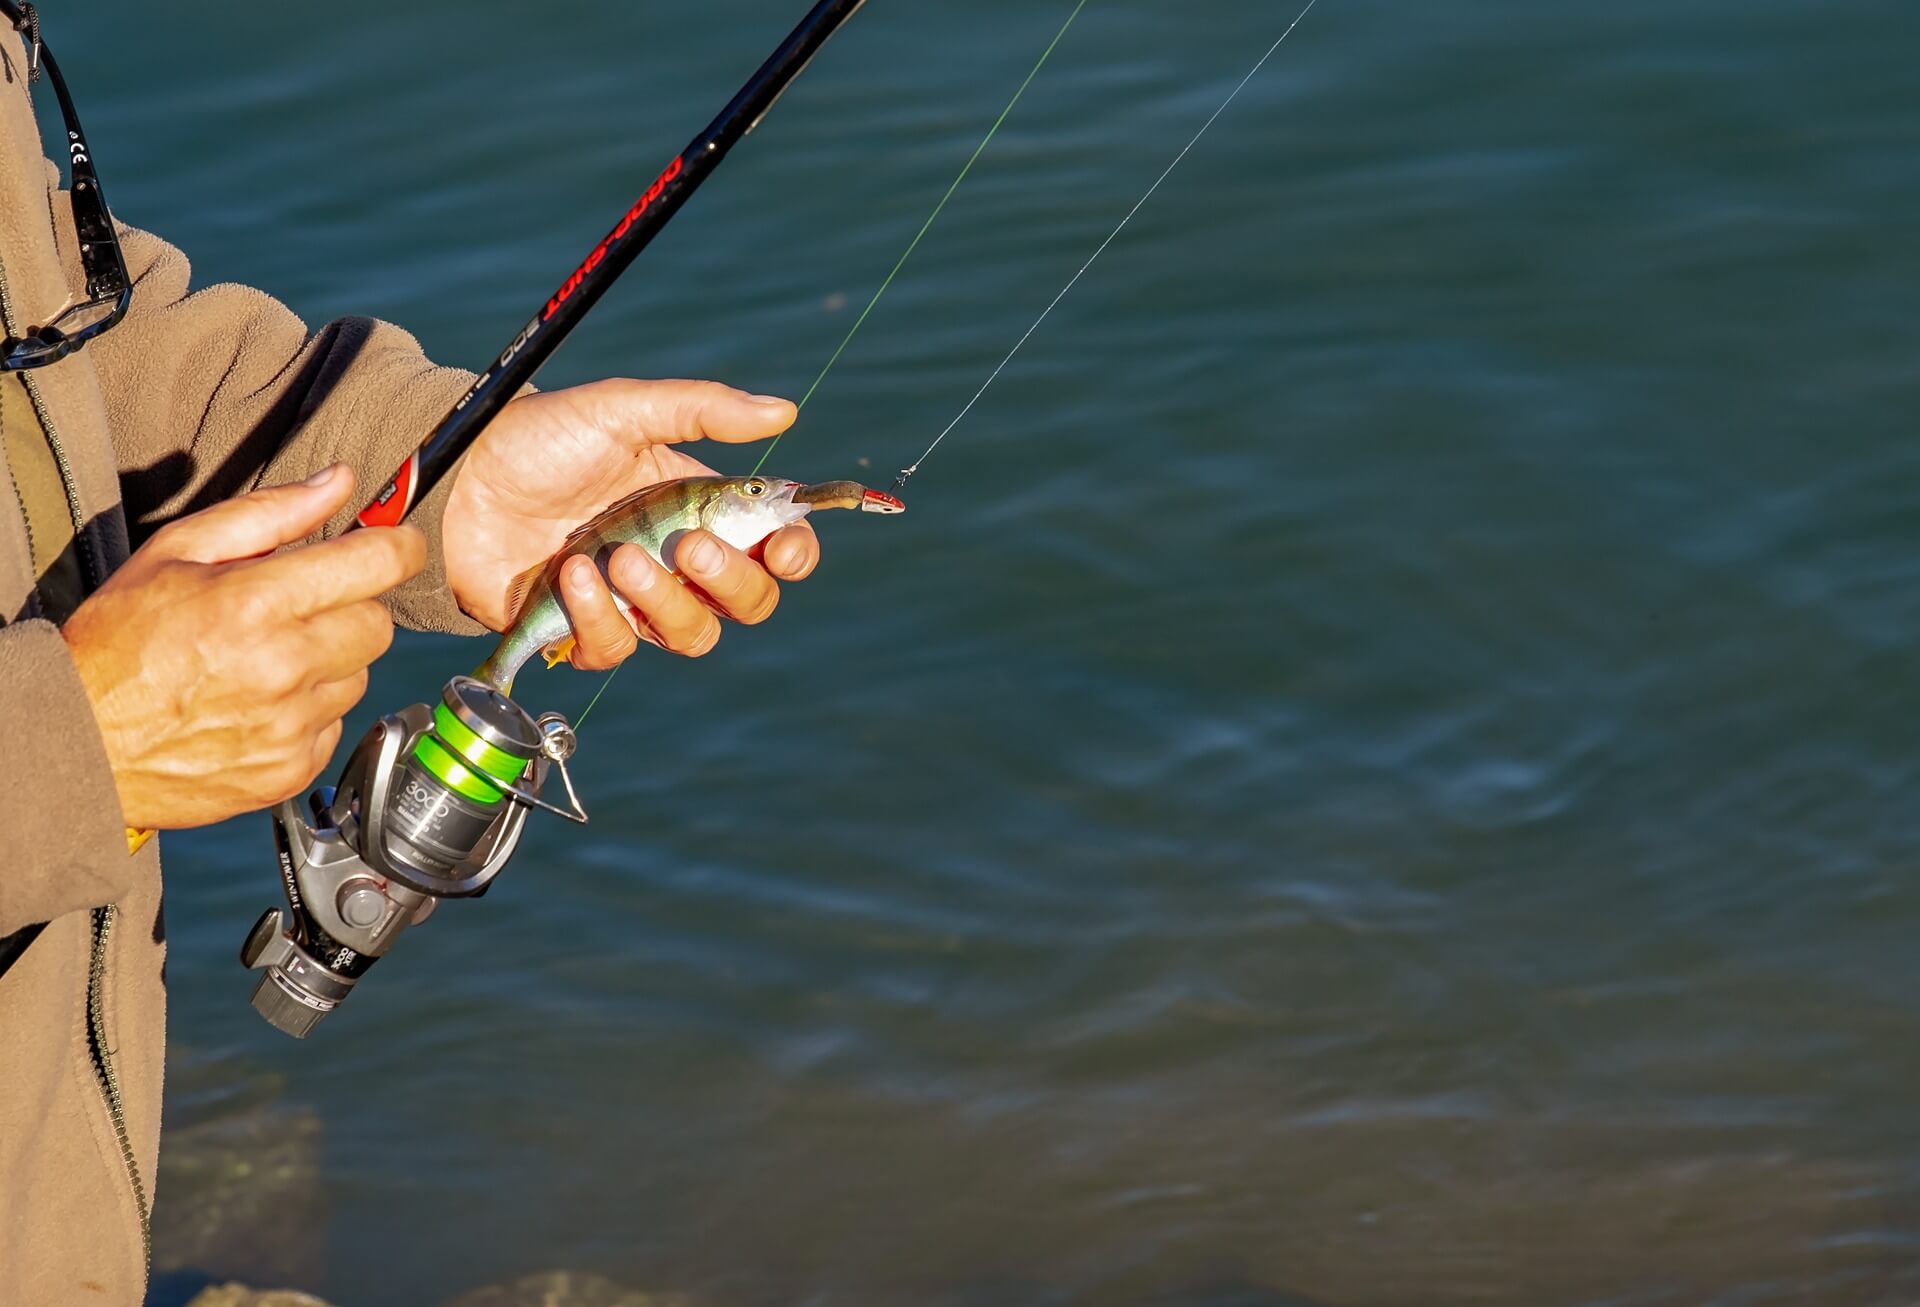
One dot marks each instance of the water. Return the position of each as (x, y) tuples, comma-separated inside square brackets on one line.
[(1378, 769)]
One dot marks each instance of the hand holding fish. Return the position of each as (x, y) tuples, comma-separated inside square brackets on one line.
[(552, 461)]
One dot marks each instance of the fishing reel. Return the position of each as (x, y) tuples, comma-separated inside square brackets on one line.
[(430, 806)]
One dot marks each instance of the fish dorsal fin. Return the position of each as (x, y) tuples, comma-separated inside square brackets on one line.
[(521, 586), (580, 534)]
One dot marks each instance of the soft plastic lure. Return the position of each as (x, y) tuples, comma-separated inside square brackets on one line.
[(742, 511), (541, 612)]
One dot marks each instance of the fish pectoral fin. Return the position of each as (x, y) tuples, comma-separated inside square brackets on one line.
[(559, 651)]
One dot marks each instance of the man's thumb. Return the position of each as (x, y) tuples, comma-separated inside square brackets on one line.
[(258, 523)]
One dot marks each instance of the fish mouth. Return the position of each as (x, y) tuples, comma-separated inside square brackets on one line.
[(784, 507), (846, 494)]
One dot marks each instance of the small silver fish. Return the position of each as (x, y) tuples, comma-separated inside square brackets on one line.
[(742, 511)]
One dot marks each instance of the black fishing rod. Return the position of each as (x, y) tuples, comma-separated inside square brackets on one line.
[(433, 800), (564, 309)]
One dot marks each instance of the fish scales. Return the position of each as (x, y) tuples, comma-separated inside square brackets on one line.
[(742, 511)]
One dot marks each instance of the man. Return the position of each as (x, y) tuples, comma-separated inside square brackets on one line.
[(183, 629)]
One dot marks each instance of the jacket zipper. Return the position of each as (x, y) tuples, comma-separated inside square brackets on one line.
[(103, 919), (33, 548), (6, 320), (74, 510)]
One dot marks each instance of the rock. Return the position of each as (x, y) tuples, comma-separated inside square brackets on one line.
[(239, 1295), (565, 1289), (239, 1196)]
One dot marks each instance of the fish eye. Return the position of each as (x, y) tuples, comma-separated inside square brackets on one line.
[(755, 487)]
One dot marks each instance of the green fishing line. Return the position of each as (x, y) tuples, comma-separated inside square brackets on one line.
[(852, 331), (582, 720), (978, 150)]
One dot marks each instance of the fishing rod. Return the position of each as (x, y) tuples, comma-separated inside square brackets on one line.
[(569, 303), (433, 800)]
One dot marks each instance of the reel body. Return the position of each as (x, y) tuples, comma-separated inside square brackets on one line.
[(430, 806)]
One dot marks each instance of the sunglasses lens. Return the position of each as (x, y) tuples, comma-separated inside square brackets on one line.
[(37, 351), (79, 318)]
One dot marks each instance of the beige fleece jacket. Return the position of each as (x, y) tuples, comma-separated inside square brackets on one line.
[(195, 397)]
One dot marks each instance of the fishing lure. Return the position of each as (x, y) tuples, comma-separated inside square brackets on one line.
[(433, 801), (742, 511), (908, 471)]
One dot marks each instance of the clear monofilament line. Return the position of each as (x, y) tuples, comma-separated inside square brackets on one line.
[(978, 150), (900, 263), (913, 467)]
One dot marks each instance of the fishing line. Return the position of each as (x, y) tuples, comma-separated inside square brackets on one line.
[(846, 340), (978, 150), (596, 698), (909, 470), (1139, 204)]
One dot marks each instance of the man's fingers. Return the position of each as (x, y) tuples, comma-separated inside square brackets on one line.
[(737, 586), (601, 633), (345, 640), (669, 412), (679, 618), (323, 748), (335, 699), (327, 704), (670, 615), (256, 523), (792, 552), (343, 570), (333, 702)]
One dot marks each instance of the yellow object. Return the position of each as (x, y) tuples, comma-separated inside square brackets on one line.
[(137, 839), (559, 651)]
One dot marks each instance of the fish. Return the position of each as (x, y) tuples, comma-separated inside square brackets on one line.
[(742, 511)]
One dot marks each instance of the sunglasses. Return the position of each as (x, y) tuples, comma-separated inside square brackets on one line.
[(109, 289)]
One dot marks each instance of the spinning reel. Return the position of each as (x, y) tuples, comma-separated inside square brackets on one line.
[(430, 806), (433, 799)]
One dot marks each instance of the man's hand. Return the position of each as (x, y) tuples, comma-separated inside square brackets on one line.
[(218, 675), (550, 462)]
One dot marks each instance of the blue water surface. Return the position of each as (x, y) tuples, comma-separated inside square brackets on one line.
[(1377, 770)]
